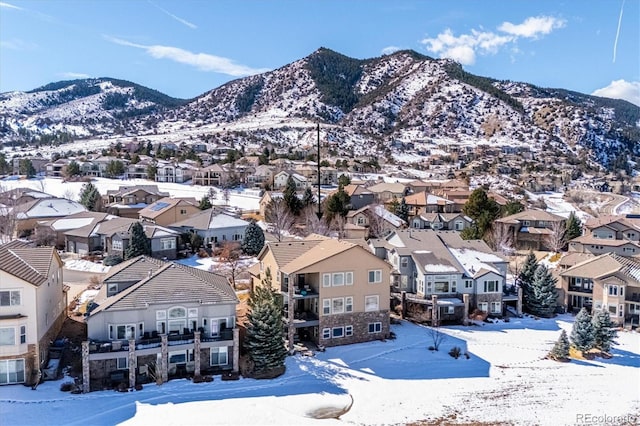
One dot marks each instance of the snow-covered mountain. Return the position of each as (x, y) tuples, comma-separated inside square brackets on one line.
[(374, 107)]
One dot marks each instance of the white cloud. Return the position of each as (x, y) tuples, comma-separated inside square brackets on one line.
[(9, 6), (74, 75), (621, 89), (177, 18), (465, 47), (17, 44), (389, 50), (202, 61), (533, 27)]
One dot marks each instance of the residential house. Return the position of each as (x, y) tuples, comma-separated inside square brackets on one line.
[(17, 196), (54, 232), (214, 226), (32, 309), (441, 221), (280, 180), (335, 292), (174, 172), (607, 282), (377, 220), (385, 192), (458, 196), (423, 202), (532, 229), (39, 164), (127, 201), (359, 196), (169, 210), (261, 177), (609, 234), (164, 241), (139, 169), (439, 268), (56, 168), (28, 215), (213, 175), (162, 319)]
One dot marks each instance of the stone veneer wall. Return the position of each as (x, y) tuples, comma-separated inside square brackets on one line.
[(487, 297), (360, 322), (30, 369)]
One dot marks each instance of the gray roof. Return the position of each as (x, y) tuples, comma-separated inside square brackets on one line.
[(30, 264), (135, 269), (170, 283)]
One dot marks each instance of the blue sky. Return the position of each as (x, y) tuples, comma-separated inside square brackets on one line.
[(185, 48)]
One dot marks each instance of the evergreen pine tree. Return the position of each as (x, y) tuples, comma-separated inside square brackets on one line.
[(574, 227), (403, 210), (205, 203), (583, 335), (308, 199), (291, 198), (90, 197), (139, 243), (525, 278), (264, 339), (560, 351), (543, 296), (253, 239), (603, 331)]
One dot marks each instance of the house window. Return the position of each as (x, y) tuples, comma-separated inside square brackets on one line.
[(112, 289), (183, 211), (448, 310), (620, 310), (219, 356), (338, 279), (348, 330), (160, 315), (348, 304), (23, 334), (326, 280), (338, 305), (375, 327), (526, 223), (218, 325), (326, 333), (490, 286), (441, 287), (11, 371), (179, 357), (613, 310), (326, 306), (116, 245), (483, 306), (495, 307), (468, 284), (404, 262), (458, 225), (7, 336), (337, 332), (371, 303), (123, 363), (361, 220), (375, 276), (348, 278), (10, 298), (177, 319), (613, 290), (167, 243)]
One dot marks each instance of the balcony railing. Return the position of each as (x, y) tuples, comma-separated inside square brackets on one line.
[(580, 289), (155, 341)]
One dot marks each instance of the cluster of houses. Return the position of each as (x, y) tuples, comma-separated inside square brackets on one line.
[(154, 319)]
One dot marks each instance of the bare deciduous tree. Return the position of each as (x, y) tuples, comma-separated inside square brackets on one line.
[(312, 224), (502, 239), (338, 226), (230, 256), (437, 337), (279, 217), (556, 240), (376, 223)]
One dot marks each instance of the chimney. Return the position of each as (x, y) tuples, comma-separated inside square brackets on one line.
[(150, 273)]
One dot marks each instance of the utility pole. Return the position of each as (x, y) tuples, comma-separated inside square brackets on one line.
[(319, 207)]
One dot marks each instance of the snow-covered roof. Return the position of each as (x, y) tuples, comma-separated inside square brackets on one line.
[(72, 223), (388, 216), (50, 207), (473, 261)]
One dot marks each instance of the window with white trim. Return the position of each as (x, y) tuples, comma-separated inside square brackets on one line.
[(371, 303), (496, 307), (326, 280), (491, 286), (122, 363), (375, 327), (337, 279), (23, 334), (116, 245), (337, 305), (337, 332), (11, 371), (10, 298), (220, 356), (348, 278), (404, 262), (613, 290), (348, 330), (326, 333), (7, 336), (348, 304), (620, 310), (375, 276), (167, 243), (326, 306), (483, 306)]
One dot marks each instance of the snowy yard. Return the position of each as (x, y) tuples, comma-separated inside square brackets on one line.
[(505, 380)]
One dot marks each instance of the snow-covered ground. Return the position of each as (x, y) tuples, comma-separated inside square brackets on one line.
[(85, 266), (505, 380)]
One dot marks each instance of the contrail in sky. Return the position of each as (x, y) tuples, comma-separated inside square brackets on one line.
[(615, 43)]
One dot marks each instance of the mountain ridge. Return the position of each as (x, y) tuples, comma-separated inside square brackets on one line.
[(367, 104)]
